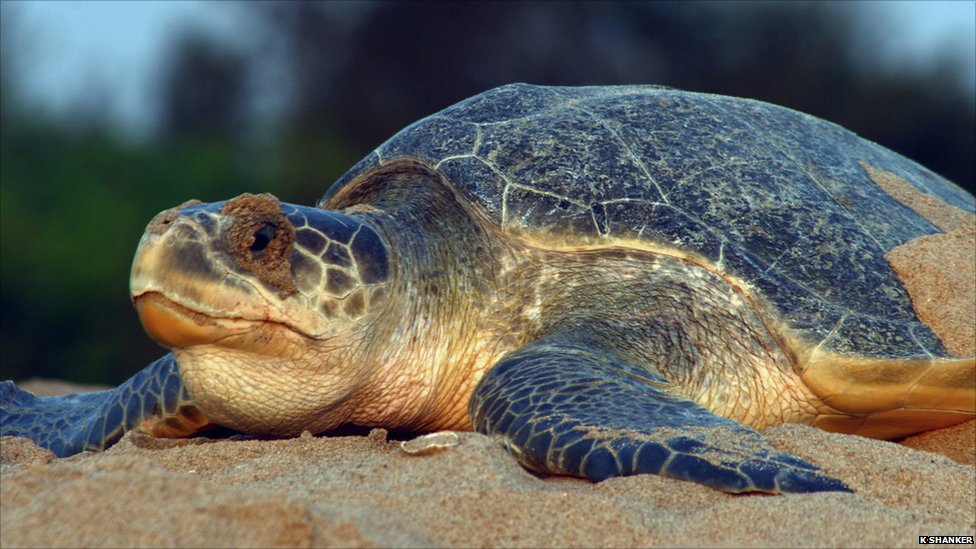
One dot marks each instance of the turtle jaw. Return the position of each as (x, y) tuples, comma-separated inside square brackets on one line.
[(182, 297), (176, 327), (188, 293)]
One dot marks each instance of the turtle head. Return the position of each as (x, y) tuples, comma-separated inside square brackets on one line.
[(265, 306)]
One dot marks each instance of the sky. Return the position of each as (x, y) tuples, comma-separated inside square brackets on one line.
[(76, 46), (114, 47), (917, 30)]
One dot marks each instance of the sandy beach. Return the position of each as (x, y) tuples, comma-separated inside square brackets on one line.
[(364, 491)]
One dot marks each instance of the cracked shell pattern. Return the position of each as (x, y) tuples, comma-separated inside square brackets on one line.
[(770, 195)]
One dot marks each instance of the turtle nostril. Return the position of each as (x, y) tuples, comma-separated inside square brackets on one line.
[(262, 237)]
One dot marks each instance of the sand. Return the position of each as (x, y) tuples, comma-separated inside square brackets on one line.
[(364, 491)]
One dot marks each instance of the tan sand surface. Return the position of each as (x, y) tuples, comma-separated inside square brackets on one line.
[(364, 491)]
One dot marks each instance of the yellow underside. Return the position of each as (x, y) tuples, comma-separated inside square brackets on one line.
[(889, 399)]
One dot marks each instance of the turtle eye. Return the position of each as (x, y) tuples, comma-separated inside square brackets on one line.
[(262, 237)]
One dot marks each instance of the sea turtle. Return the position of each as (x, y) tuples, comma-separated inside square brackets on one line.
[(611, 280)]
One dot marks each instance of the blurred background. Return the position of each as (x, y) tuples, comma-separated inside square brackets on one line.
[(111, 112)]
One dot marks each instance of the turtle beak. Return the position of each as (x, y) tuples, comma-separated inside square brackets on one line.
[(173, 326), (206, 272), (169, 284)]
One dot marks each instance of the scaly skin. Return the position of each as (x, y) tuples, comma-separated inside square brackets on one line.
[(411, 355), (437, 330)]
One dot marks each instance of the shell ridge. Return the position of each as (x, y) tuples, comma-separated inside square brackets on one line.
[(833, 332), (504, 177), (627, 148), (454, 157), (914, 336), (802, 168), (775, 262)]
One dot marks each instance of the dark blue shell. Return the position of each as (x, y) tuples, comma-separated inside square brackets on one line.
[(776, 197)]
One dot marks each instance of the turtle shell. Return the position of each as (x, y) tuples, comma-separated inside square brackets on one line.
[(781, 200)]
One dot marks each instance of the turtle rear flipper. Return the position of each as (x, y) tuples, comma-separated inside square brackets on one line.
[(154, 399), (570, 410)]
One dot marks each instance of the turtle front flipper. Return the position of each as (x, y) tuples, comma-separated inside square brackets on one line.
[(570, 410), (154, 400)]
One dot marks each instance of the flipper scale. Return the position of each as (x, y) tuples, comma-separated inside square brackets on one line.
[(600, 417), (73, 423)]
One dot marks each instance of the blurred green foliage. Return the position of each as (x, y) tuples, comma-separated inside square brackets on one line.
[(72, 209), (75, 196), (73, 205)]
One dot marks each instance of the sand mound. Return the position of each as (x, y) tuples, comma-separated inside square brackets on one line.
[(364, 491)]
